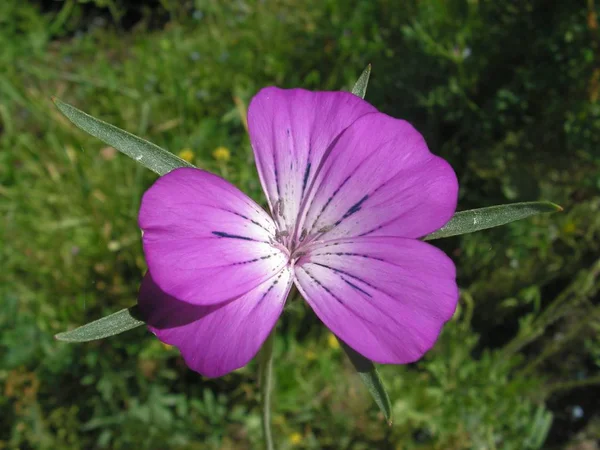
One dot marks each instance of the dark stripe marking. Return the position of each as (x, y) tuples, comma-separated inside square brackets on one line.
[(356, 207), (343, 272), (277, 181), (271, 287), (241, 263), (233, 236), (248, 219), (357, 288), (332, 244), (322, 285), (373, 230), (362, 255), (329, 201), (352, 210), (305, 180)]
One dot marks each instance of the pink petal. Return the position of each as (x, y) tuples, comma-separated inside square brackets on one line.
[(205, 241), (380, 179), (386, 297), (215, 339), (290, 131)]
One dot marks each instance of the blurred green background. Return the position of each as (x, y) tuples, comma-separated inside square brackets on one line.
[(507, 91)]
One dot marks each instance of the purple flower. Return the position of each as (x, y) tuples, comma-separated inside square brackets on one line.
[(350, 190)]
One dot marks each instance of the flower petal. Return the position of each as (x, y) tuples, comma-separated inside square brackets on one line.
[(290, 131), (386, 297), (205, 241), (380, 179), (215, 339)]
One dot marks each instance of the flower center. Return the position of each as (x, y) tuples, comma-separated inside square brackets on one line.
[(294, 248)]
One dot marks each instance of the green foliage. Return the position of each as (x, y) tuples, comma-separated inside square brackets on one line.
[(507, 91)]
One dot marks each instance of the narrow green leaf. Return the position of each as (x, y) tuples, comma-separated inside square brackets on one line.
[(370, 377), (146, 153), (493, 216), (115, 323), (360, 87)]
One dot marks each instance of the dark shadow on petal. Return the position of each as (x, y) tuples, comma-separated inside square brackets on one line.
[(162, 311)]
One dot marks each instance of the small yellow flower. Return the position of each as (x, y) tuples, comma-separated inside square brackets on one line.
[(186, 154), (333, 342), (295, 438), (222, 154)]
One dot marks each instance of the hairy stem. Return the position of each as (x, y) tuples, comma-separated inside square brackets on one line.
[(266, 387)]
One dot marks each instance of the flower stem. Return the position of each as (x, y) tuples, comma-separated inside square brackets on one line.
[(266, 386), (565, 385)]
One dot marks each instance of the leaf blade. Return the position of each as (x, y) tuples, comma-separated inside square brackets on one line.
[(145, 153), (492, 216), (360, 87), (111, 325), (371, 379)]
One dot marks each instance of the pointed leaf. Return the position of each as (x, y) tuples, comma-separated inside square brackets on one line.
[(493, 216), (146, 153), (370, 377), (360, 87), (115, 323)]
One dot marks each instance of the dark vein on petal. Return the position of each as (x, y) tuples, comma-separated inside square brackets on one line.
[(223, 234), (385, 200), (261, 258), (305, 179), (357, 167), (305, 203), (343, 272), (248, 219), (275, 160), (352, 310), (354, 286), (321, 285), (361, 255), (389, 221), (328, 201), (256, 305), (271, 286), (340, 272), (354, 209)]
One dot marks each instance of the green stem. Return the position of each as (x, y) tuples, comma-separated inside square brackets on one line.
[(584, 287), (555, 346), (565, 385), (266, 386)]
